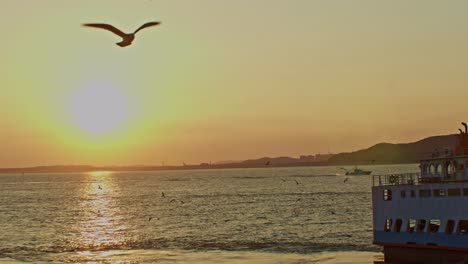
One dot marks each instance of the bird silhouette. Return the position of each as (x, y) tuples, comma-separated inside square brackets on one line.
[(163, 195), (267, 163), (345, 180), (99, 187), (127, 38)]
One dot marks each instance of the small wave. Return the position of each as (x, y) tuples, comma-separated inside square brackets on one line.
[(249, 177), (315, 175), (178, 179), (31, 254)]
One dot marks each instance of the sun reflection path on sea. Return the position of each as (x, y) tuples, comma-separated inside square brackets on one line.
[(100, 224)]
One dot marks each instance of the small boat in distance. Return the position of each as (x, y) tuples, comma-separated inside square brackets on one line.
[(356, 172)]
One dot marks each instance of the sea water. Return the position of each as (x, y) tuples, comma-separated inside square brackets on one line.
[(263, 215)]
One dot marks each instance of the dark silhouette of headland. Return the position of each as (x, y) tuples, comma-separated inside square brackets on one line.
[(382, 153), (387, 153)]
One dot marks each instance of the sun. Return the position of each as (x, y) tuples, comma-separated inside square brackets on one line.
[(98, 108)]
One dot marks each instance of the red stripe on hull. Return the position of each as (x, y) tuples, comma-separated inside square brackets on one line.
[(423, 254)]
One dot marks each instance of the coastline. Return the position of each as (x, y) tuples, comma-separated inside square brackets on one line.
[(89, 168)]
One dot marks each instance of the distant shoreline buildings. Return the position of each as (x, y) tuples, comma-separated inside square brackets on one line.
[(316, 157)]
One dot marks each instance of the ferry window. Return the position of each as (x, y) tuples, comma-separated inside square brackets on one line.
[(388, 225), (438, 192), (434, 225), (425, 193), (403, 194), (449, 227), (411, 225), (424, 169), (432, 169), (437, 168), (454, 192), (451, 169), (448, 168), (465, 191), (412, 194), (397, 226), (421, 225), (387, 195), (462, 227)]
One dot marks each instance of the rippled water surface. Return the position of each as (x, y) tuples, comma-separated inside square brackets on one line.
[(270, 215)]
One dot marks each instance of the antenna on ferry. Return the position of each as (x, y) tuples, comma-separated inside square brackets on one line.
[(466, 127), (461, 131)]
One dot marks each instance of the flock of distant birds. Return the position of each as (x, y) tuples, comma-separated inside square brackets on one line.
[(163, 195)]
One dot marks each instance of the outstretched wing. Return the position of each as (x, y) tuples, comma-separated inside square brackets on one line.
[(149, 24), (107, 27)]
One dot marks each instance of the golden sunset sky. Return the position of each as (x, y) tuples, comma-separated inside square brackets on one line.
[(226, 80)]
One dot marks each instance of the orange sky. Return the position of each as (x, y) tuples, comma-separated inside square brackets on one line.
[(226, 80)]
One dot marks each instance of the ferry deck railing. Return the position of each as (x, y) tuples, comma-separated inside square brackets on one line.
[(401, 179)]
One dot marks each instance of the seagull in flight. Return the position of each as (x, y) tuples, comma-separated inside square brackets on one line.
[(127, 38)]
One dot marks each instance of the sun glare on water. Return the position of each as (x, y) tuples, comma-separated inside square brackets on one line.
[(100, 173), (98, 108)]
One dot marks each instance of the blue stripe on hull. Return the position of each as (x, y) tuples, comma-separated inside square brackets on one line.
[(438, 239)]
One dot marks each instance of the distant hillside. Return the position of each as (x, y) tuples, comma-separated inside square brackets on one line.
[(396, 153), (383, 153), (303, 160)]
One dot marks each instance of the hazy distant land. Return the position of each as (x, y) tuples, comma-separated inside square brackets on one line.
[(382, 153)]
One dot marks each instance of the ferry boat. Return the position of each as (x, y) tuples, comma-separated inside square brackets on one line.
[(356, 172), (423, 217)]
